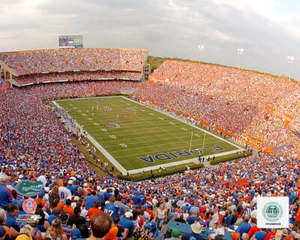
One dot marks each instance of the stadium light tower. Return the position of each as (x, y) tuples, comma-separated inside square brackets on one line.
[(240, 52), (200, 49), (291, 60)]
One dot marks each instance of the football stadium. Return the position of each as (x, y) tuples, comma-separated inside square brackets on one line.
[(93, 120), (113, 143)]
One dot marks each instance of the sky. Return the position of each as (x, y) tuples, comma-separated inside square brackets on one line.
[(267, 30)]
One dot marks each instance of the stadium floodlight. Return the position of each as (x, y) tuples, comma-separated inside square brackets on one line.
[(240, 52), (291, 59), (200, 49)]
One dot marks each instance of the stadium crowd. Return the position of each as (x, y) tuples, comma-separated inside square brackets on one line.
[(66, 60), (34, 146), (233, 100), (77, 76)]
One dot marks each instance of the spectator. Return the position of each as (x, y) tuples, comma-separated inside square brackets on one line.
[(64, 192), (112, 209), (76, 234), (161, 215), (11, 232), (64, 223), (94, 209), (116, 222), (26, 233), (254, 228), (90, 200), (37, 234), (196, 230), (127, 223), (136, 198), (122, 207), (40, 199), (2, 232), (175, 235), (68, 208), (245, 226), (152, 229), (77, 219), (100, 225), (53, 194), (5, 194), (12, 214), (259, 235), (43, 224), (56, 213), (113, 231), (55, 231), (71, 187), (108, 194)]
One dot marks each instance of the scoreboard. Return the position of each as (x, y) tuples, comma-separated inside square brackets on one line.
[(70, 41)]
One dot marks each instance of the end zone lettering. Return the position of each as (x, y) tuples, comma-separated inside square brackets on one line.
[(178, 154)]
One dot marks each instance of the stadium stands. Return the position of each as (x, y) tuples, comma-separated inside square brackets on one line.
[(249, 105), (78, 76), (53, 65), (34, 146)]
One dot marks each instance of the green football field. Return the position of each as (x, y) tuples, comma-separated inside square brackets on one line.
[(134, 136)]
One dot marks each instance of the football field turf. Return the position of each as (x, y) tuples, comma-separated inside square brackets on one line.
[(134, 136)]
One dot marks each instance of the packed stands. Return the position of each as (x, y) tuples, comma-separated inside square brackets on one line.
[(60, 64), (255, 108), (248, 105), (78, 76), (34, 146)]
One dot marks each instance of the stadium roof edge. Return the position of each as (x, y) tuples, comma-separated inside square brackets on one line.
[(62, 49)]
